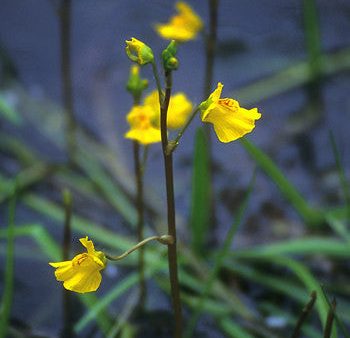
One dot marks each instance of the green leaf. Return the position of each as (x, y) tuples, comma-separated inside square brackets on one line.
[(310, 216), (8, 112), (200, 209), (7, 298), (302, 246)]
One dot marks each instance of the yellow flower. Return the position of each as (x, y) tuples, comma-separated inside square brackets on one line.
[(82, 273), (178, 111), (181, 27), (141, 126), (229, 119), (139, 52)]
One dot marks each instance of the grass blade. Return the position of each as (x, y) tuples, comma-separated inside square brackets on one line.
[(303, 246), (200, 209), (312, 37), (341, 173), (8, 113), (219, 261), (310, 216), (6, 302)]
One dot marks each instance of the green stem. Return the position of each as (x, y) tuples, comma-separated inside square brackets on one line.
[(173, 144), (330, 319), (7, 298), (304, 314), (65, 28), (312, 38), (169, 179), (165, 239), (159, 86), (140, 222)]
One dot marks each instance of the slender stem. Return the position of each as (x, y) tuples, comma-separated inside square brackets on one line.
[(330, 318), (65, 28), (165, 239), (159, 86), (173, 144), (304, 314), (67, 234), (140, 221), (169, 177), (7, 297), (138, 167)]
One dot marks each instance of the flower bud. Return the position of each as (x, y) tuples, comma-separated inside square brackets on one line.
[(170, 62), (139, 52), (135, 84)]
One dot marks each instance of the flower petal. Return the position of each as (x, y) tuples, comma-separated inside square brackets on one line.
[(89, 245), (183, 26), (84, 281)]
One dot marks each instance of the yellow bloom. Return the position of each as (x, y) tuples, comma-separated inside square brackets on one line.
[(178, 111), (139, 52), (181, 27), (229, 119), (141, 126), (82, 273)]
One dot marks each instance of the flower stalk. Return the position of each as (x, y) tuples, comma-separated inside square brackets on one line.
[(140, 221), (174, 143), (169, 178), (136, 86), (165, 239)]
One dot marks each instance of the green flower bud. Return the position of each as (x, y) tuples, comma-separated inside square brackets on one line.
[(139, 52)]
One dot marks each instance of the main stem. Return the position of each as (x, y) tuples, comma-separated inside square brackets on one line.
[(65, 29), (169, 178), (140, 222)]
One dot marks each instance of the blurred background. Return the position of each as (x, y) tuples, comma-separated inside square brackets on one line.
[(291, 59)]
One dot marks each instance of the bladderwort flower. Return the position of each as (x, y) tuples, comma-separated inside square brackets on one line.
[(82, 273), (183, 26), (230, 121), (142, 128), (139, 52), (179, 109)]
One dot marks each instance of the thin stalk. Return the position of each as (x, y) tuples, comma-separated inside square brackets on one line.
[(169, 179), (173, 144), (165, 239), (65, 29), (304, 314), (159, 86), (140, 222), (7, 298), (67, 237), (342, 177), (139, 165), (341, 325), (312, 38), (330, 319)]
